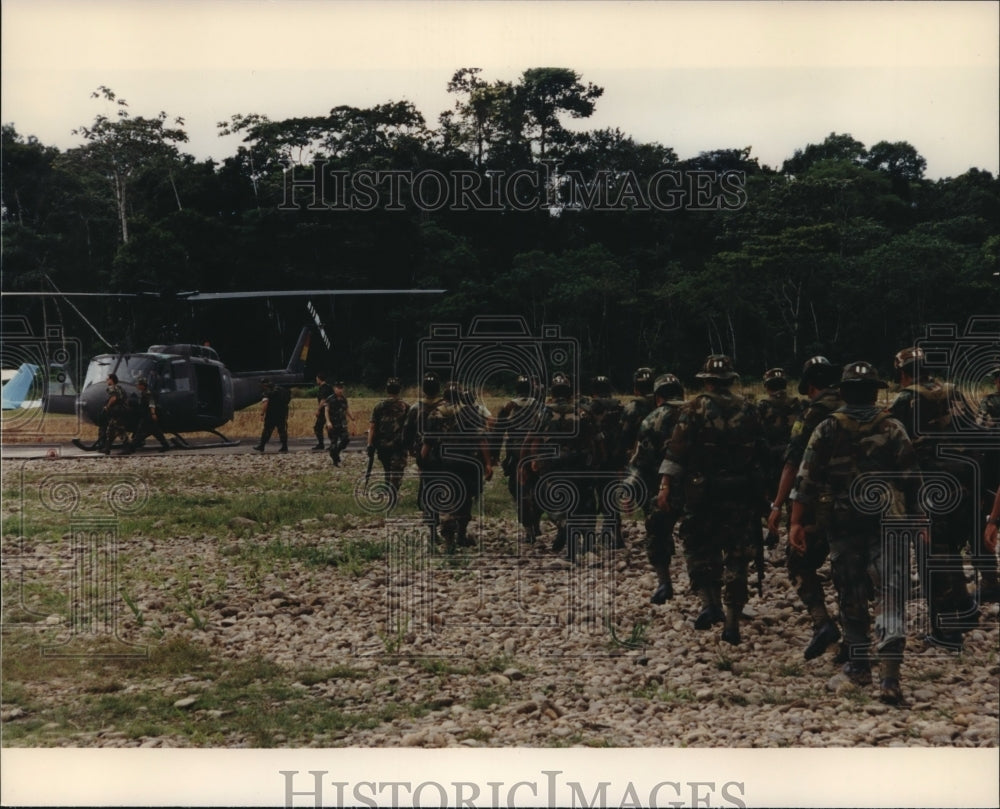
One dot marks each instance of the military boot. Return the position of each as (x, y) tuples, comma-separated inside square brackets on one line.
[(711, 612), (665, 589), (858, 672), (560, 541), (889, 689), (731, 631), (825, 634), (988, 591)]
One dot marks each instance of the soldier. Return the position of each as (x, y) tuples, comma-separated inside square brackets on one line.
[(860, 438), (114, 410), (715, 459), (992, 522), (323, 392), (988, 417), (462, 454), (516, 418), (636, 409), (336, 413), (413, 426), (148, 419), (385, 434), (924, 407), (561, 452), (777, 412), (275, 415), (820, 383), (644, 466), (988, 414), (606, 413)]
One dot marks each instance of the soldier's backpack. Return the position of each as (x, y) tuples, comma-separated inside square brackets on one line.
[(567, 434), (388, 432)]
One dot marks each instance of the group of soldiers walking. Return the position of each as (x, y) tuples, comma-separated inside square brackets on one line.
[(714, 469)]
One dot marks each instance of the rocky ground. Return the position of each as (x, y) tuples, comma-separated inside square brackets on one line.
[(497, 645)]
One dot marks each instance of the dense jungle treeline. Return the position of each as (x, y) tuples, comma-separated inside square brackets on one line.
[(846, 249)]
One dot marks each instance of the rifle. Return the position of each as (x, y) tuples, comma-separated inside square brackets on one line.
[(371, 462), (758, 561)]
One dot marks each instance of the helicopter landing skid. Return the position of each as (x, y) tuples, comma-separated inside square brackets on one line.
[(180, 443)]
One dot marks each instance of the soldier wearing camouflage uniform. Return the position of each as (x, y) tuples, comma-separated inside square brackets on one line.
[(560, 456), (456, 455), (636, 409), (860, 438), (715, 459), (644, 467), (988, 417), (515, 419), (413, 427), (385, 434), (336, 414), (113, 410), (777, 412), (820, 383), (924, 407), (606, 412), (988, 414)]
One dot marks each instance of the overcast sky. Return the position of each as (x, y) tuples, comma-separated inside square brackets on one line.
[(693, 76)]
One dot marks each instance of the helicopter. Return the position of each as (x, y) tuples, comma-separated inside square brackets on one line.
[(194, 390)]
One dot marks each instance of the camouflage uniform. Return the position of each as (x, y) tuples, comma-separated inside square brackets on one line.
[(276, 401), (413, 428), (803, 567), (862, 439), (561, 455), (454, 454), (516, 418), (114, 411), (715, 458), (636, 409), (988, 418), (386, 434), (925, 409), (324, 391), (606, 413), (777, 412), (988, 414), (337, 430), (644, 466), (147, 422)]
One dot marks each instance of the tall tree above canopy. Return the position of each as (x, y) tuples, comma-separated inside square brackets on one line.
[(549, 91), (119, 148), (834, 147)]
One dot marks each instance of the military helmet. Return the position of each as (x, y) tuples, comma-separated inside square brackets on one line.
[(907, 357), (393, 385), (817, 370), (717, 366), (600, 386), (861, 373), (522, 385), (142, 381), (430, 384), (560, 383), (667, 386), (642, 380), (452, 393), (774, 378)]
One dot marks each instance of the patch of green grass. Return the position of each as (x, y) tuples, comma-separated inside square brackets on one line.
[(484, 698), (790, 670), (316, 676)]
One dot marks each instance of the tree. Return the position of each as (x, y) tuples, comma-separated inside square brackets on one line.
[(120, 149), (549, 91)]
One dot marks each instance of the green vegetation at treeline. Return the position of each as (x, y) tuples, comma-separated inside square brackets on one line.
[(846, 249)]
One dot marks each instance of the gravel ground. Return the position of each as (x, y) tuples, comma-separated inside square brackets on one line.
[(508, 645)]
